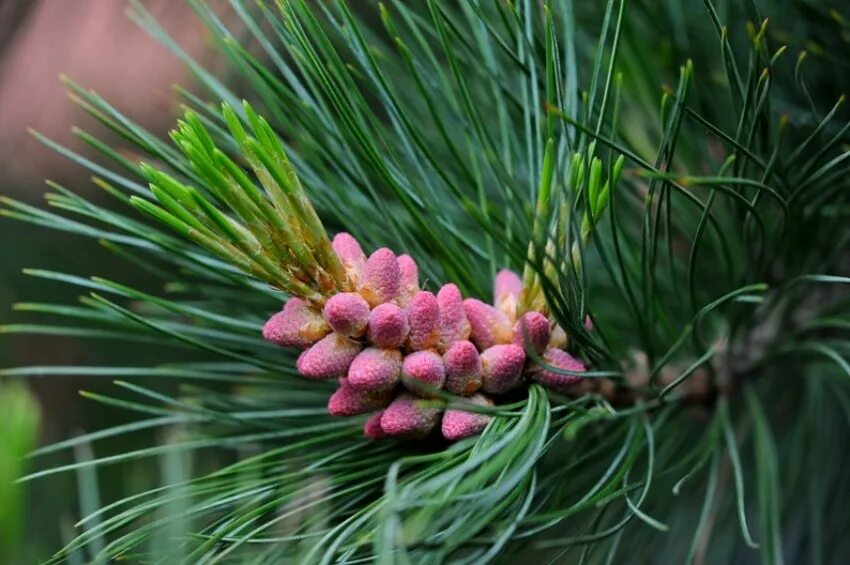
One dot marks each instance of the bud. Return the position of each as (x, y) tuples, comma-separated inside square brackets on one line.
[(297, 325), (459, 424), (501, 367), (507, 287), (347, 314), (558, 338), (490, 326), (588, 323), (532, 331), (350, 255), (388, 327), (375, 369), (349, 401), (381, 277), (463, 368), (328, 358), (423, 316), (409, 284), (409, 416), (553, 380), (453, 323), (372, 426), (423, 371)]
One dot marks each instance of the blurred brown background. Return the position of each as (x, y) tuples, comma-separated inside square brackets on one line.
[(99, 47)]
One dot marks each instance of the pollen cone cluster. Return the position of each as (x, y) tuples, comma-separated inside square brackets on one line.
[(393, 347)]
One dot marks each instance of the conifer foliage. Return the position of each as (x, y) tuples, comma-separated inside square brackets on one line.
[(616, 325)]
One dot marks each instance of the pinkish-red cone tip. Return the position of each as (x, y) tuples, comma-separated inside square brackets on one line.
[(459, 424), (558, 381), (423, 317), (297, 325), (532, 331), (388, 326), (349, 401), (501, 367), (347, 314), (372, 426), (381, 277), (463, 368), (375, 369), (490, 326), (423, 372), (350, 255), (410, 417), (328, 358), (409, 283), (453, 323)]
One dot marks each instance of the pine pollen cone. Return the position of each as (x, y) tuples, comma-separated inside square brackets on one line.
[(394, 347)]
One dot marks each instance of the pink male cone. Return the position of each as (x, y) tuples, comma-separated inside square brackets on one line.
[(375, 369), (453, 323), (409, 416), (372, 426), (388, 326), (349, 401), (330, 357), (554, 380), (347, 314), (422, 372), (381, 277), (501, 366), (532, 331), (459, 424), (350, 255), (490, 326), (423, 316), (297, 325), (409, 283), (463, 368)]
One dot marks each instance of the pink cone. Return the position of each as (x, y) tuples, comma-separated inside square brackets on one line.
[(297, 325), (507, 287), (350, 255), (388, 327), (372, 426), (459, 424), (347, 314), (463, 368), (330, 357), (532, 331), (409, 284), (381, 277), (423, 316), (453, 323), (375, 369), (349, 401), (558, 381), (588, 323), (490, 326), (422, 372), (409, 416), (501, 367)]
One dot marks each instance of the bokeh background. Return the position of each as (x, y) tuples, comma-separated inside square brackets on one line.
[(98, 46)]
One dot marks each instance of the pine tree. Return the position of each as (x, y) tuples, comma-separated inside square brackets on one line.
[(667, 181)]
